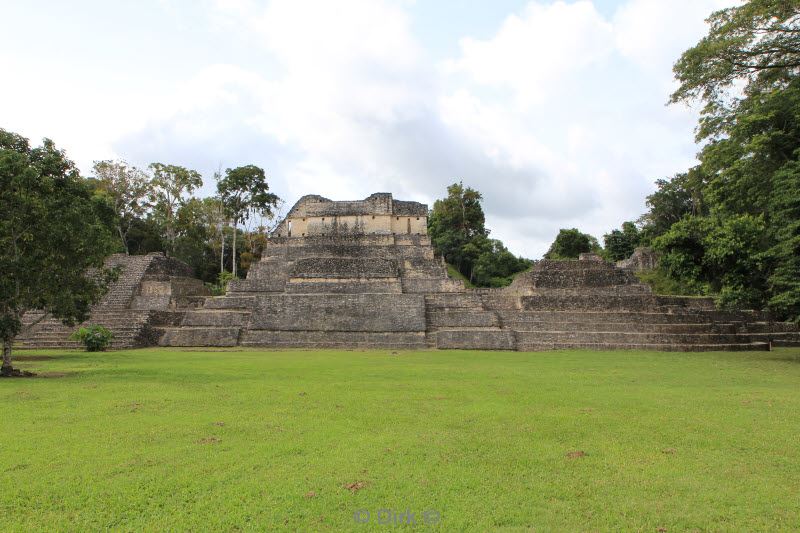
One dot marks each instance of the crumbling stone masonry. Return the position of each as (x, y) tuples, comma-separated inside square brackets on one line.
[(363, 274), (151, 291)]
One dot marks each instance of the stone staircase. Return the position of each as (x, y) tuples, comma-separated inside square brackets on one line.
[(132, 318), (130, 329), (121, 292), (460, 320), (591, 304)]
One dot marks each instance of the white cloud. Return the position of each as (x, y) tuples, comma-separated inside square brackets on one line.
[(557, 116), (533, 53)]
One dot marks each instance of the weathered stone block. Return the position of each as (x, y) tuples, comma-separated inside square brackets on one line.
[(200, 336), (351, 312), (475, 339)]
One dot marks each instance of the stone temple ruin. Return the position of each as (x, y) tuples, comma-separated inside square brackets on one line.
[(363, 274)]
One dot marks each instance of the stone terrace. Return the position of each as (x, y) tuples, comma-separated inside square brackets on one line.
[(364, 275), (150, 292), (388, 290)]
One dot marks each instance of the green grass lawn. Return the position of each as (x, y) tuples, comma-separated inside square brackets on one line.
[(227, 440)]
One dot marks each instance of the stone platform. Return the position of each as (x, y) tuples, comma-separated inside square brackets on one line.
[(389, 291), (151, 292), (363, 274)]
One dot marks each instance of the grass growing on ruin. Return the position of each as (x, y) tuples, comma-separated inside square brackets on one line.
[(196, 440), (455, 274)]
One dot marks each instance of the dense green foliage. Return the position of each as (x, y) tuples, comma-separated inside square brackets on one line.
[(169, 188), (157, 212), (244, 191), (620, 243), (457, 229), (730, 226), (245, 440), (570, 243), (95, 338), (52, 229)]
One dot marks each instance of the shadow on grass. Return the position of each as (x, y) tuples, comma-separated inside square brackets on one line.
[(788, 358), (54, 356)]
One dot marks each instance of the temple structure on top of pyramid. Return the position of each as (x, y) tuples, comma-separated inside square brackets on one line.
[(363, 274)]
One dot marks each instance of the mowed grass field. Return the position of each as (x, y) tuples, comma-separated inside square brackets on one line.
[(179, 440)]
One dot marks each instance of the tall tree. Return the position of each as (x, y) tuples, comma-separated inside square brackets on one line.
[(52, 230), (742, 242), (171, 184), (570, 243), (458, 232), (620, 243), (454, 222), (126, 188), (217, 218), (244, 191), (756, 44)]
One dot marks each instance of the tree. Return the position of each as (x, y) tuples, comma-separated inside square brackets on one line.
[(495, 266), (757, 44), (170, 185), (243, 191), (620, 244), (674, 199), (730, 225), (217, 218), (783, 256), (454, 222), (52, 230), (126, 189), (570, 243), (458, 232)]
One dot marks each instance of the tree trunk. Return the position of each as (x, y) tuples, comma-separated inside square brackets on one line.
[(6, 369), (124, 241), (234, 249), (222, 251)]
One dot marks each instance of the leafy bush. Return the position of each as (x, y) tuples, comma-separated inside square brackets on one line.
[(221, 286), (662, 283), (95, 338)]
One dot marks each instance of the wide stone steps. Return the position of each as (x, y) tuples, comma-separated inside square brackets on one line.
[(705, 327), (599, 302), (334, 339), (127, 327), (468, 300), (243, 301), (634, 317), (440, 318), (537, 347), (199, 336), (121, 292), (215, 318), (525, 338)]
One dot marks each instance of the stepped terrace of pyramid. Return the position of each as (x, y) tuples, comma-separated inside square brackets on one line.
[(363, 274)]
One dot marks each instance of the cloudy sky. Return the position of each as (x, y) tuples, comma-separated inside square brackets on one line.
[(554, 110)]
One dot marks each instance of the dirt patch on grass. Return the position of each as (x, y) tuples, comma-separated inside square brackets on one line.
[(34, 357), (669, 451), (355, 486), (209, 440), (577, 454), (55, 374), (16, 373), (311, 494)]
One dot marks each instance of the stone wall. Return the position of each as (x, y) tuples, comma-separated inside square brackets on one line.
[(643, 258), (333, 312), (362, 278), (377, 214)]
